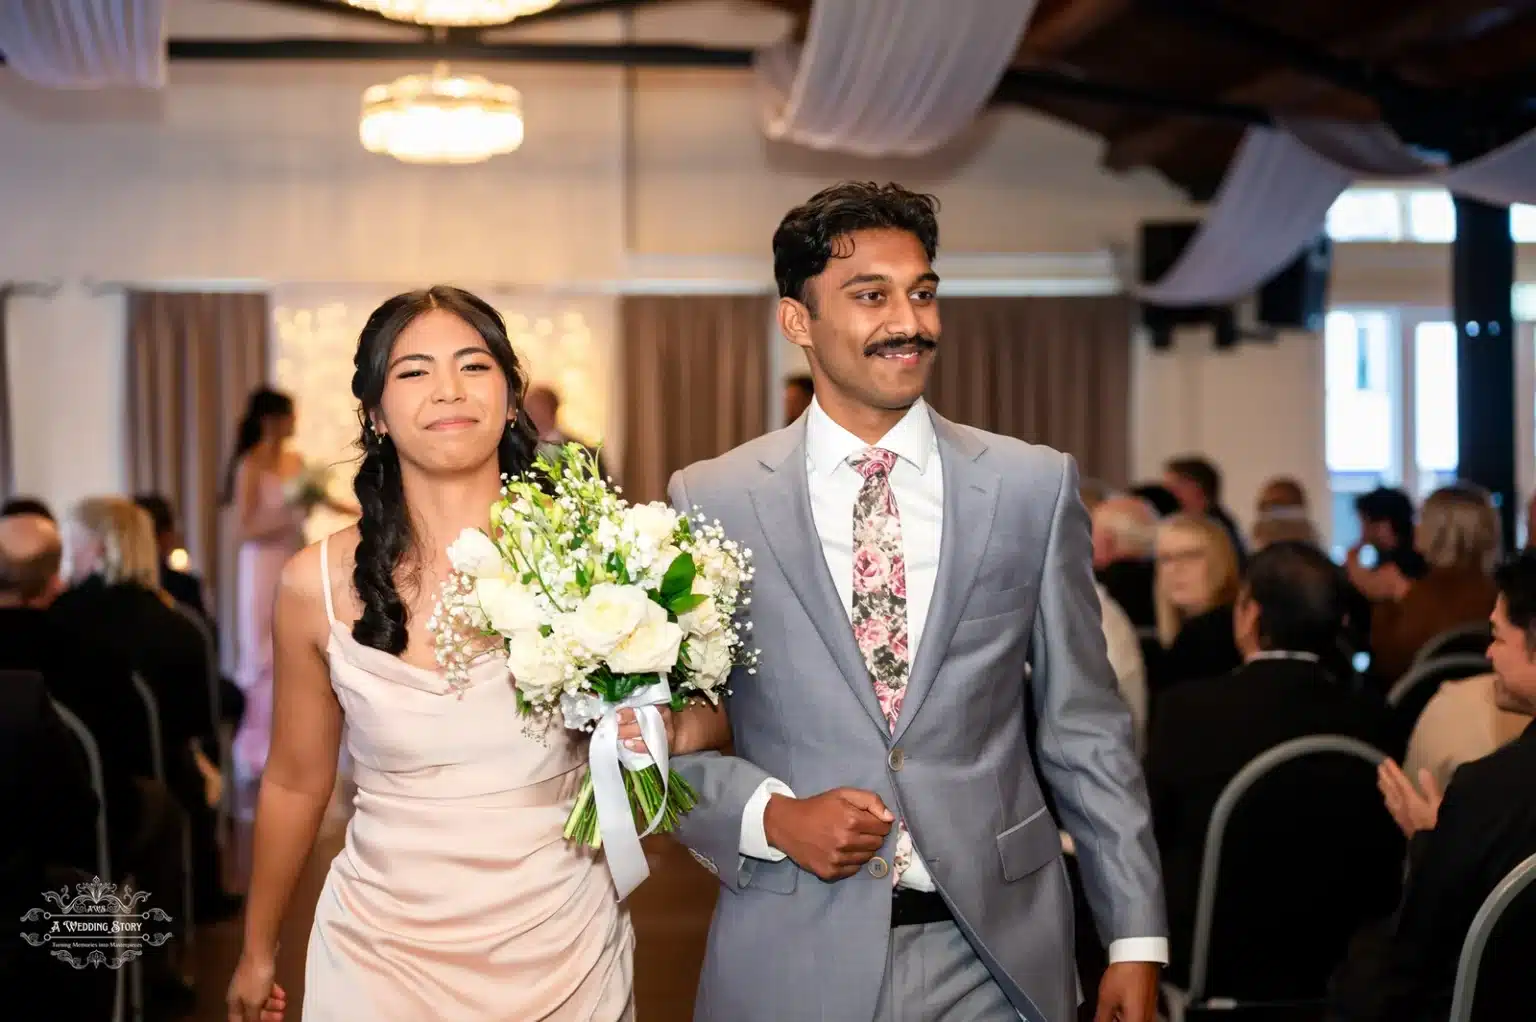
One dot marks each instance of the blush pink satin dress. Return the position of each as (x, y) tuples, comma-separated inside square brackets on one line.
[(455, 897)]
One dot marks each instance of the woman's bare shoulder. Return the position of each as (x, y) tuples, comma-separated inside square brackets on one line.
[(302, 581)]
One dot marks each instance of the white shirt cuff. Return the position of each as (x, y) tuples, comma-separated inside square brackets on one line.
[(1139, 949), (754, 842)]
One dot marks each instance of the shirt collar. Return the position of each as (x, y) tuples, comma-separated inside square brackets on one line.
[(827, 444)]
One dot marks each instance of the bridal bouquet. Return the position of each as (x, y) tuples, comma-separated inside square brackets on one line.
[(599, 605)]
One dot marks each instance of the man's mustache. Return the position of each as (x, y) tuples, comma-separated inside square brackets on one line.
[(917, 342)]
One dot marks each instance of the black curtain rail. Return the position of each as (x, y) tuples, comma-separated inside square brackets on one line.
[(612, 54)]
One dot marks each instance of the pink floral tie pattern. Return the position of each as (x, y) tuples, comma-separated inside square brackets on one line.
[(880, 599)]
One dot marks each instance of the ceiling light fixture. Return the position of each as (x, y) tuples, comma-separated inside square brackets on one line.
[(441, 118), (455, 13)]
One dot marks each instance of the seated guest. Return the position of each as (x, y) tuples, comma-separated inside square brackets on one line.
[(1159, 496), (1458, 535), (144, 823), (1282, 493), (1286, 623), (113, 571), (26, 506), (49, 843), (1197, 485), (185, 588), (1386, 526), (1462, 722), (1196, 583), (1284, 525), (1124, 538), (1461, 845), (1126, 660)]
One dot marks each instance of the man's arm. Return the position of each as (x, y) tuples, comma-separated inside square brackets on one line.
[(1085, 744)]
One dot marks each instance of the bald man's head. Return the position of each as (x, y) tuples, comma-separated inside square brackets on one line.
[(30, 551), (1123, 529)]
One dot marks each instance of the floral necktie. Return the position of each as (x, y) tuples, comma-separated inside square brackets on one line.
[(880, 599)]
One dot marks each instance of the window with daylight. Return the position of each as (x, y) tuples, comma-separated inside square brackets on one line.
[(1391, 409), (1425, 215)]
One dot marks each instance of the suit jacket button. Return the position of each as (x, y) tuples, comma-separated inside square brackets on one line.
[(897, 759), (704, 860), (879, 868)]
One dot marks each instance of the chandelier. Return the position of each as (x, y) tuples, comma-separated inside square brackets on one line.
[(438, 118), (457, 13)]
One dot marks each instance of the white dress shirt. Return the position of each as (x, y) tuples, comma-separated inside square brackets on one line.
[(917, 479)]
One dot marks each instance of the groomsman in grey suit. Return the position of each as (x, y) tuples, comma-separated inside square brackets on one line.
[(881, 833)]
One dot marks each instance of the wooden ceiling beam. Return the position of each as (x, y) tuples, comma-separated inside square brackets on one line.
[(1294, 90)]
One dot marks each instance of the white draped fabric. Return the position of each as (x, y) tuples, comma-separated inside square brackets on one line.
[(888, 77), (85, 44), (1275, 199)]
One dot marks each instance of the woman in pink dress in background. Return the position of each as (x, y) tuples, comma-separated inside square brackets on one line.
[(269, 526)]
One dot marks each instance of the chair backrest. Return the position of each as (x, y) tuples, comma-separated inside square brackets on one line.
[(98, 783), (211, 657), (1473, 949), (152, 711), (1351, 843), (1471, 637)]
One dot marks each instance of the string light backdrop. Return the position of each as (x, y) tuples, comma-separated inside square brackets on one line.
[(564, 341)]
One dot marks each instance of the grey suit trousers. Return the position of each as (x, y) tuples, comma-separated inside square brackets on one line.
[(932, 974)]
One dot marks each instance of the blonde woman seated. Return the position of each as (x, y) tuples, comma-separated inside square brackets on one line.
[(1196, 586), (1459, 537)]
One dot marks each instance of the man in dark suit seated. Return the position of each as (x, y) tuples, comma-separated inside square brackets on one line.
[(144, 822), (1286, 625), (1461, 845), (49, 843)]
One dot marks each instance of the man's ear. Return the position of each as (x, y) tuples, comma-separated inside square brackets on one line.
[(795, 322)]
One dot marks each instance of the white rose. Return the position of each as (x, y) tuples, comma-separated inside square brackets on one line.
[(509, 606), (651, 648), (536, 666), (474, 554), (705, 618), (651, 524), (710, 658), (608, 615)]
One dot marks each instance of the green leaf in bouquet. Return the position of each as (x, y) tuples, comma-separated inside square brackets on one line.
[(681, 605), (583, 578), (618, 569), (679, 578)]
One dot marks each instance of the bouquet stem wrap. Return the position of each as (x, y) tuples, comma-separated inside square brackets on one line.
[(615, 799)]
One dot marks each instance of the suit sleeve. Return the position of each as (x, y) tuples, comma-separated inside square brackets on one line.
[(1084, 739), (712, 830)]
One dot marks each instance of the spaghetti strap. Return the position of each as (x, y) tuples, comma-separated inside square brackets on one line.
[(325, 579)]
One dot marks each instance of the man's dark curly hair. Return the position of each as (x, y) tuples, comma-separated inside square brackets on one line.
[(811, 235)]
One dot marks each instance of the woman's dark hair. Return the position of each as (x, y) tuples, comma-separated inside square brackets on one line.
[(385, 535), (811, 234), (264, 404)]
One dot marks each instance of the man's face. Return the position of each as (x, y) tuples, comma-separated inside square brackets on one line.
[(1514, 666), (1378, 535), (876, 324)]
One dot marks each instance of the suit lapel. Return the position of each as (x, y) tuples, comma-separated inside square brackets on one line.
[(970, 504), (782, 502)]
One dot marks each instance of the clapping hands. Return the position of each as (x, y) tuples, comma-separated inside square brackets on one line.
[(1412, 810)]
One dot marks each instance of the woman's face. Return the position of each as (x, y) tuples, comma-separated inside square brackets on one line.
[(281, 427), (1184, 571), (445, 398)]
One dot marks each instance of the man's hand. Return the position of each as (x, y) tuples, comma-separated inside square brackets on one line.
[(832, 834), (1412, 811), (1128, 993)]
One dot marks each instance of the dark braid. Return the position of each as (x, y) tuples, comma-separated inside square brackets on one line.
[(385, 535)]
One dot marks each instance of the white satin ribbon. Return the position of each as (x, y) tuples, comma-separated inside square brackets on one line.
[(607, 759)]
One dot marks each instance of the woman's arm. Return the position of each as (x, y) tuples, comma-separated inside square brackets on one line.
[(301, 767)]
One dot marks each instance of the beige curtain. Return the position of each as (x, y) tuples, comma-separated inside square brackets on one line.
[(1049, 370), (193, 359), (693, 376), (7, 441)]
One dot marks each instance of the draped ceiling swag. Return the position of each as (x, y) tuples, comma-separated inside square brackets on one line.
[(1272, 107)]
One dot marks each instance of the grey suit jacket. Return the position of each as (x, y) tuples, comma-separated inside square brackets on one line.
[(1014, 588)]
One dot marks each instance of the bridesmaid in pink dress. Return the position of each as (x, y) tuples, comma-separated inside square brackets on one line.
[(270, 528), (455, 897)]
